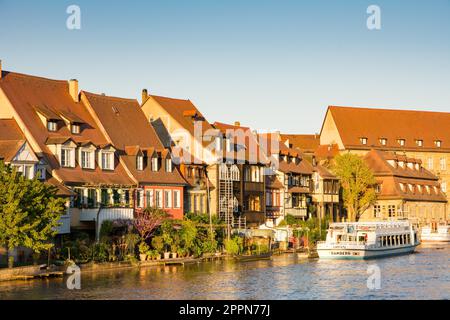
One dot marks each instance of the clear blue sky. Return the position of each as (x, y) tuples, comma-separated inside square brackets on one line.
[(269, 64)]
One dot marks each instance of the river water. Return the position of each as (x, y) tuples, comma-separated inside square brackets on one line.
[(422, 275)]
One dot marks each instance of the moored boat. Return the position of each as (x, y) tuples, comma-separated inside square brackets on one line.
[(435, 233), (368, 240)]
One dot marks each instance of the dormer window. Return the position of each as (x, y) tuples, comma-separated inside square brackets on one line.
[(378, 188), (383, 141), (402, 186), (87, 158), (67, 157), (75, 128), (140, 162), (155, 164), (107, 160), (401, 142), (438, 143), (363, 140), (419, 143), (52, 125), (169, 165)]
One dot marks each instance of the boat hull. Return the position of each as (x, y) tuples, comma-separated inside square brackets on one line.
[(359, 254)]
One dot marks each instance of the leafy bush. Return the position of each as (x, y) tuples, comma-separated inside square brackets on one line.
[(143, 248), (158, 243), (234, 245)]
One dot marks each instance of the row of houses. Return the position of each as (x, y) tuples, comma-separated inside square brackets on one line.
[(111, 157)]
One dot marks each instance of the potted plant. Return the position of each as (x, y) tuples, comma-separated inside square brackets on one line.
[(174, 250), (143, 250), (158, 245)]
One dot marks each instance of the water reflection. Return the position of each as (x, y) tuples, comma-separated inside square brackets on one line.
[(423, 275)]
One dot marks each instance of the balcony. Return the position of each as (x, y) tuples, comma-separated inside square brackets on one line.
[(64, 227), (297, 212), (110, 214)]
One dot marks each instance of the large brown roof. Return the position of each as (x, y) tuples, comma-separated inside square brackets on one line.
[(27, 93), (308, 143), (252, 152), (126, 125), (392, 177), (375, 124), (184, 112)]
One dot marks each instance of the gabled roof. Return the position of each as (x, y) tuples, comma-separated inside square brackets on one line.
[(128, 129), (391, 178), (11, 139), (187, 115), (355, 123), (26, 92), (244, 139)]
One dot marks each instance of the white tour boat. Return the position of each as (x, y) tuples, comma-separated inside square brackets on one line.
[(366, 240), (435, 233)]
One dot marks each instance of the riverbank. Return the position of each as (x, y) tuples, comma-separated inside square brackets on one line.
[(422, 275), (39, 272)]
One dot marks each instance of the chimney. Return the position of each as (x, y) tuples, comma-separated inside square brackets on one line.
[(237, 123), (0, 69), (144, 95), (73, 89)]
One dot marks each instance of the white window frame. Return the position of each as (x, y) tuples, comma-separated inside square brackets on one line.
[(169, 165), (155, 164), (107, 155), (150, 197), (140, 162), (52, 126), (443, 164), (159, 201), (75, 128), (176, 199), (168, 199), (67, 161), (90, 157), (444, 186)]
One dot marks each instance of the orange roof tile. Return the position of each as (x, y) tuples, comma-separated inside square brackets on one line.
[(25, 92), (374, 124), (126, 125)]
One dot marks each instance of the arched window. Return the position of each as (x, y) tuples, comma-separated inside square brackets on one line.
[(234, 170)]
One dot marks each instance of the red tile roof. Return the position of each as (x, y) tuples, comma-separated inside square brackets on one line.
[(127, 127), (375, 124), (308, 143), (391, 177), (11, 139), (26, 92)]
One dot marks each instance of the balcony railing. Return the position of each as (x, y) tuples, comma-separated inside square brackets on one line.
[(64, 227), (296, 212)]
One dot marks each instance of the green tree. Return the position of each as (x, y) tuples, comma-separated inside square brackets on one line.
[(29, 212), (358, 183)]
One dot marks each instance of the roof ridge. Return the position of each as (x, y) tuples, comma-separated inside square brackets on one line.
[(24, 75), (164, 97), (385, 109), (109, 97)]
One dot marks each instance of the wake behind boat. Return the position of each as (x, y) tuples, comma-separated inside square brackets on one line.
[(368, 240)]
